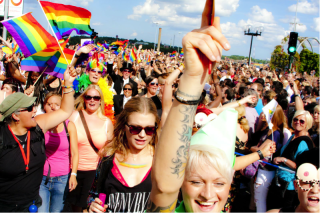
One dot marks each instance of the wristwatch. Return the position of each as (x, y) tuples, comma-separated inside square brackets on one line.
[(285, 161)]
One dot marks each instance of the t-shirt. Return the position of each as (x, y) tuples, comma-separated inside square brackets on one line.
[(259, 106), (252, 117), (57, 151), (17, 186), (126, 199)]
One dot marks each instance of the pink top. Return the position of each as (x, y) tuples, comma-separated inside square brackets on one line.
[(57, 152)]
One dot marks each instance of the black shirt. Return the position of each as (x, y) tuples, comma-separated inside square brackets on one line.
[(126, 199), (17, 186)]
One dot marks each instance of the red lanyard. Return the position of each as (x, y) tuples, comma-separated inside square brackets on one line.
[(26, 159)]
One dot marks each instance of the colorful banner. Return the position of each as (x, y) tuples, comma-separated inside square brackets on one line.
[(15, 7), (2, 7)]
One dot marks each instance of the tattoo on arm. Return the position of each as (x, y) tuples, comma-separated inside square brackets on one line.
[(179, 163), (154, 208), (196, 97)]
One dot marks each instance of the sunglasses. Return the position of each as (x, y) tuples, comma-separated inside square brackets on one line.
[(127, 89), (29, 109), (137, 129), (301, 121), (153, 83), (129, 71), (100, 72), (89, 98)]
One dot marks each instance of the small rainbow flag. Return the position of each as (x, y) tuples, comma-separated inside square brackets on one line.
[(106, 45), (133, 55), (38, 61), (182, 53), (66, 18), (119, 43), (59, 63), (29, 34), (149, 58)]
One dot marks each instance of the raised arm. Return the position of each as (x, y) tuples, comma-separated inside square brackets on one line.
[(297, 99), (83, 50), (201, 47), (234, 104), (216, 102), (49, 120)]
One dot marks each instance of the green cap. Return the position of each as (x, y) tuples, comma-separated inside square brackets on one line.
[(220, 133), (13, 102)]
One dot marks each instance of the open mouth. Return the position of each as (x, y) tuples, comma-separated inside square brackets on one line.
[(313, 201), (205, 206), (140, 142)]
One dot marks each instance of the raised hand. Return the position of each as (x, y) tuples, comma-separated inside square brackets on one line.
[(69, 76)]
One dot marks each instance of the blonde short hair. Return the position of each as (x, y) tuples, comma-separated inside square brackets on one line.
[(309, 119), (207, 155)]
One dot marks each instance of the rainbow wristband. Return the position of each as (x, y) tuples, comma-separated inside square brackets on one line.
[(67, 87)]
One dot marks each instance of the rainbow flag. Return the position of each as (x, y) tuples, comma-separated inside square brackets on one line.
[(139, 58), (133, 55), (119, 43), (38, 61), (182, 53), (58, 63), (106, 45), (66, 18), (149, 58), (29, 34)]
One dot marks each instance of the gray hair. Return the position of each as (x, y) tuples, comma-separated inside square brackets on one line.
[(251, 92), (9, 118)]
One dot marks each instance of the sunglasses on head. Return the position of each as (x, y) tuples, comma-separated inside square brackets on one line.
[(100, 72), (153, 83), (95, 98), (29, 109), (127, 89), (137, 129), (301, 121)]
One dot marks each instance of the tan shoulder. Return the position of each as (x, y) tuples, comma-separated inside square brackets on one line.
[(274, 210)]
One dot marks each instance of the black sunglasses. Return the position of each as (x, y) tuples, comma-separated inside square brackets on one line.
[(153, 83), (100, 72), (301, 121), (137, 129), (29, 109), (95, 98), (127, 89), (126, 71)]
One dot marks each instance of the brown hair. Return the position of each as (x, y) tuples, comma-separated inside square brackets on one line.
[(269, 95), (119, 142), (279, 120), (49, 95)]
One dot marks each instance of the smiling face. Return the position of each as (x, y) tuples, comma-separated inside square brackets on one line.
[(141, 140), (53, 104), (27, 118), (153, 86), (127, 91), (126, 73), (95, 75), (300, 123), (309, 200), (92, 100), (205, 190)]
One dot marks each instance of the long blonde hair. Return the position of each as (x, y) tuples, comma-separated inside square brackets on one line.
[(119, 143), (244, 124), (80, 105)]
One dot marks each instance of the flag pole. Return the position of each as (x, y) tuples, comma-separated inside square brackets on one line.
[(39, 76), (53, 33)]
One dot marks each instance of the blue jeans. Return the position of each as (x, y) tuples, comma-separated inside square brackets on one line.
[(54, 193)]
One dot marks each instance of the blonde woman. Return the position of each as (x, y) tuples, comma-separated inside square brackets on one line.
[(90, 103)]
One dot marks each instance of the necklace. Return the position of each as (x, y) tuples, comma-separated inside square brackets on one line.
[(131, 165), (25, 159)]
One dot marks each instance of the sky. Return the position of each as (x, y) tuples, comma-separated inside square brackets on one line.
[(141, 19)]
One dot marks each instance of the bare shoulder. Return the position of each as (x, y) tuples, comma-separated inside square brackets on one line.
[(274, 210)]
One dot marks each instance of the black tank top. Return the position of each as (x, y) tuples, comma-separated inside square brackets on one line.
[(126, 199), (17, 186)]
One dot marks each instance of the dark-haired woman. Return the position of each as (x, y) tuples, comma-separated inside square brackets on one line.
[(125, 175), (152, 88)]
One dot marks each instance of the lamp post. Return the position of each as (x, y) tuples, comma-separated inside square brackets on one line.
[(155, 37), (256, 32)]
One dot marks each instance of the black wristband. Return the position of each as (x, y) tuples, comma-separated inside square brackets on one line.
[(183, 101), (260, 155), (76, 56)]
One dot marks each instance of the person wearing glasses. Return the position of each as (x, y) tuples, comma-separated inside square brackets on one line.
[(281, 192), (120, 81), (22, 141), (152, 88), (121, 100), (125, 175), (94, 130), (306, 184)]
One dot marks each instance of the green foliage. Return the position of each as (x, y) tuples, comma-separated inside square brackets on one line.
[(309, 61)]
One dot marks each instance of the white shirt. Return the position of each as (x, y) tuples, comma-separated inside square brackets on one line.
[(125, 81), (125, 100)]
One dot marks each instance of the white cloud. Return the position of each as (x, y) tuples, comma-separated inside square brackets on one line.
[(134, 34), (261, 15), (96, 23), (180, 13), (299, 28), (305, 7), (316, 22)]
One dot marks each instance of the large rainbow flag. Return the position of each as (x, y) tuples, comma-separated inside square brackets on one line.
[(66, 18), (30, 36)]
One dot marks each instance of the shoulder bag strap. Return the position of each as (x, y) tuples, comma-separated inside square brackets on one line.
[(66, 129), (87, 131)]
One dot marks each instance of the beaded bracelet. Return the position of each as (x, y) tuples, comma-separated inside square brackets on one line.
[(67, 87)]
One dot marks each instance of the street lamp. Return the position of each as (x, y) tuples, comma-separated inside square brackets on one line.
[(178, 39), (256, 32), (155, 39)]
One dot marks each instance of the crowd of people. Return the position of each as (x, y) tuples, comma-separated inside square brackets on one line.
[(164, 132)]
